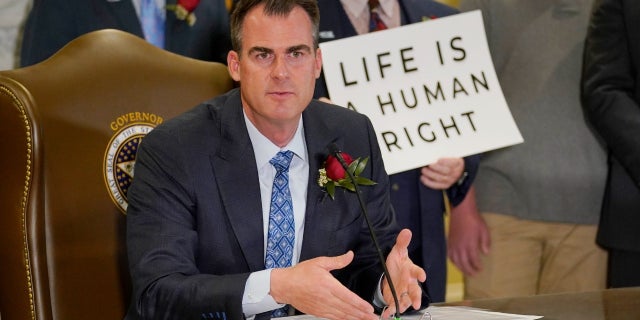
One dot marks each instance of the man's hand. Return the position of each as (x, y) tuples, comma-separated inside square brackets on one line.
[(310, 288), (405, 276), (468, 236), (443, 173)]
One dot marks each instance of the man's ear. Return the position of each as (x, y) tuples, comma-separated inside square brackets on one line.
[(233, 64), (318, 66)]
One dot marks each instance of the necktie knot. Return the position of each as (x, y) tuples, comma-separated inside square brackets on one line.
[(282, 160), (375, 22)]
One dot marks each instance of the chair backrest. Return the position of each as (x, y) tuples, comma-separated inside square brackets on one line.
[(69, 131)]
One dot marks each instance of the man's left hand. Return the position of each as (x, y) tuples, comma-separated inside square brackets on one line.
[(405, 276)]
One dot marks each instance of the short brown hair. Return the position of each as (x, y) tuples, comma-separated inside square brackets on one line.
[(272, 8)]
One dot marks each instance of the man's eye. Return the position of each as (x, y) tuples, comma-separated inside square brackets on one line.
[(262, 55), (297, 54)]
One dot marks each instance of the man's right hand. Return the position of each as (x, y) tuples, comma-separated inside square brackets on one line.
[(311, 288)]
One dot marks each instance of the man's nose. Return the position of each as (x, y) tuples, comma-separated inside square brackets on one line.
[(280, 68)]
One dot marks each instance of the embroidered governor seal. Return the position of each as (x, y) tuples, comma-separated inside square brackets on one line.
[(120, 156)]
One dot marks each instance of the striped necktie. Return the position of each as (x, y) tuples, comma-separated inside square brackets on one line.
[(375, 23)]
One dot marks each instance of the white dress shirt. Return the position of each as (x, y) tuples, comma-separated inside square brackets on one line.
[(256, 298)]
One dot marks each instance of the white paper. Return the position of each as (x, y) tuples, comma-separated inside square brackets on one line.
[(451, 313)]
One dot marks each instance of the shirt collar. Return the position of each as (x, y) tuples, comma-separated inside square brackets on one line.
[(386, 6), (355, 7), (358, 7), (264, 149)]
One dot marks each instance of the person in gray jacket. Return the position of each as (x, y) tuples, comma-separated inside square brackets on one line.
[(540, 199)]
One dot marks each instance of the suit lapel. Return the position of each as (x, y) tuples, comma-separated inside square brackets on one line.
[(176, 31), (236, 175), (318, 136)]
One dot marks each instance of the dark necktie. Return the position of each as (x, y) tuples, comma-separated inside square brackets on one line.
[(281, 230), (375, 23)]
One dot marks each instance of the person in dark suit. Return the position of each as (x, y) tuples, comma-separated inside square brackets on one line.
[(416, 195), (53, 23), (198, 220), (611, 94)]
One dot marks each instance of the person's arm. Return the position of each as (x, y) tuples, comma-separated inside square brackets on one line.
[(468, 235), (163, 237), (608, 84)]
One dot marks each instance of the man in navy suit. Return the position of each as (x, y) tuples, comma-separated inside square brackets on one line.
[(611, 93), (53, 23), (416, 195), (198, 209)]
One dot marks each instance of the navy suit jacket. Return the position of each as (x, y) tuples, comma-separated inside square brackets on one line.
[(53, 23), (194, 221), (417, 207), (611, 93)]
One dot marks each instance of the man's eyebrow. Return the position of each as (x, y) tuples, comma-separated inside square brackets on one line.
[(260, 50), (301, 47)]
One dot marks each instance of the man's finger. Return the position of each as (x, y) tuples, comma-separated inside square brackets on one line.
[(350, 302), (337, 262), (404, 238)]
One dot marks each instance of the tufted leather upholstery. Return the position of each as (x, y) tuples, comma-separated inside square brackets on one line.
[(62, 248)]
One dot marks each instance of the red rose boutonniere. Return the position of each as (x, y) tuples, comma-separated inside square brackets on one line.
[(184, 10), (333, 175)]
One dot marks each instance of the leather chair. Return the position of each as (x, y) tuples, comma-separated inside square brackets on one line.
[(69, 129)]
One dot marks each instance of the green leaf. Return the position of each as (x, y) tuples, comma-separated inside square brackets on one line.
[(347, 184), (365, 182), (331, 189), (353, 166), (361, 165)]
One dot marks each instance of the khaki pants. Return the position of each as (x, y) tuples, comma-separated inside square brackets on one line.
[(530, 257)]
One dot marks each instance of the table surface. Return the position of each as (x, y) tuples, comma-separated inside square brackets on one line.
[(610, 304)]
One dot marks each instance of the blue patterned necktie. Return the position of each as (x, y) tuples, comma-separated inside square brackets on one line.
[(152, 23), (281, 232)]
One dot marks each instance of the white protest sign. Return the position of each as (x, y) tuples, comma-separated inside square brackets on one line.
[(429, 88)]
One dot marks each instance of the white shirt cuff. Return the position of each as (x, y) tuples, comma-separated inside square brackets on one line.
[(378, 298), (256, 298)]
